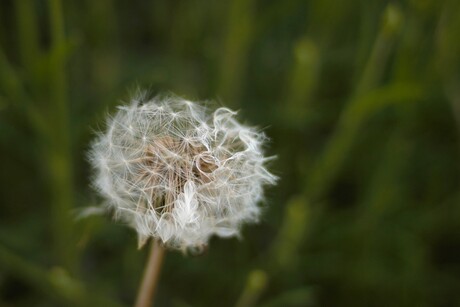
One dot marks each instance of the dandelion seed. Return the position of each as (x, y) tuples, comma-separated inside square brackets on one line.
[(176, 171)]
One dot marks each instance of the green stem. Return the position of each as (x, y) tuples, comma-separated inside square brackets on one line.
[(383, 45), (352, 119), (362, 105), (59, 150), (54, 283), (13, 88), (235, 51), (284, 250), (27, 33), (302, 81), (255, 285)]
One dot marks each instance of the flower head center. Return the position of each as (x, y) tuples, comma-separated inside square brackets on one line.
[(167, 165)]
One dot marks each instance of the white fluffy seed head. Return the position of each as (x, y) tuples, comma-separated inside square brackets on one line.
[(175, 171)]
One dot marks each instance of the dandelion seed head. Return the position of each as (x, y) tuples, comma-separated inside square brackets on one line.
[(176, 171)]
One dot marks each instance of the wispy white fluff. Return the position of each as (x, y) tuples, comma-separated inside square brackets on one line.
[(174, 170)]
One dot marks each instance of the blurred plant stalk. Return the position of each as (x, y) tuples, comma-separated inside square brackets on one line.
[(448, 48), (284, 251), (59, 149), (366, 100), (27, 36), (303, 80), (55, 282), (51, 123), (236, 49), (255, 285)]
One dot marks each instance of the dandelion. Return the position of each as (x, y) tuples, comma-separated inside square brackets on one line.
[(177, 172)]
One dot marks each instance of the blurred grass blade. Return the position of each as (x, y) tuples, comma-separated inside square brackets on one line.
[(363, 104), (392, 20), (58, 152), (291, 235), (447, 55), (27, 34), (386, 190), (255, 285), (235, 49), (303, 80), (9, 80), (105, 65), (352, 119), (302, 297), (56, 283), (11, 85)]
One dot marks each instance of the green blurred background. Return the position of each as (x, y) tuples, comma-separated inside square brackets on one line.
[(361, 100)]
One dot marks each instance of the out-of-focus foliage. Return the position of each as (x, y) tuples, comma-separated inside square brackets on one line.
[(360, 98)]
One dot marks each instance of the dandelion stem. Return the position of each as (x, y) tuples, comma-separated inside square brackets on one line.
[(146, 292)]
